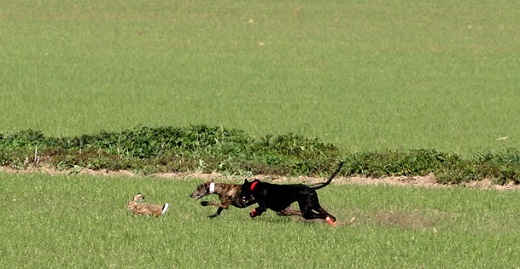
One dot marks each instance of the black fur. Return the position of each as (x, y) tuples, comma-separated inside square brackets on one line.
[(278, 197), (229, 194)]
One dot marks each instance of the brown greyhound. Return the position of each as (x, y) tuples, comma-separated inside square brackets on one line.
[(229, 194)]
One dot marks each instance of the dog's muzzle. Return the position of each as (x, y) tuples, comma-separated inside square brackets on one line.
[(196, 196)]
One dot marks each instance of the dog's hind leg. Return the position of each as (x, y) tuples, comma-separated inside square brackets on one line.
[(289, 212), (311, 209), (308, 213), (328, 217), (319, 214)]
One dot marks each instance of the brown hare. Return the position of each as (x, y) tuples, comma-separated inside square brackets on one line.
[(146, 209)]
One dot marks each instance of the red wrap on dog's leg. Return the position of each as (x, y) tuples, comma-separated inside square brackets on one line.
[(253, 213), (330, 221)]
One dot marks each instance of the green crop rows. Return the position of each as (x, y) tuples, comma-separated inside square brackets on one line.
[(393, 88)]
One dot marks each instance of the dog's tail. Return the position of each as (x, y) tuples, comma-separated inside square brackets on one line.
[(329, 180), (165, 208)]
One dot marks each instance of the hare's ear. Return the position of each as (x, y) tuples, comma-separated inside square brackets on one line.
[(138, 197)]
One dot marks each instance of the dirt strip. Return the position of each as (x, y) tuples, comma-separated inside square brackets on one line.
[(428, 181)]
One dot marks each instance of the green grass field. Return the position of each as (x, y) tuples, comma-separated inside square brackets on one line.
[(378, 75), (81, 221), (363, 75)]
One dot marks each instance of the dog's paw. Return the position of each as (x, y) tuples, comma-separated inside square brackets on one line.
[(204, 203), (331, 221), (212, 216), (253, 213)]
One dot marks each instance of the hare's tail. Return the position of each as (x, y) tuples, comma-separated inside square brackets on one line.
[(165, 207)]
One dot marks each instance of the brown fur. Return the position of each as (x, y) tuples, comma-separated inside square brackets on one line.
[(229, 194), (146, 209)]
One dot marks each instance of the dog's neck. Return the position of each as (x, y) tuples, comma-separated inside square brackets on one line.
[(212, 187), (253, 185)]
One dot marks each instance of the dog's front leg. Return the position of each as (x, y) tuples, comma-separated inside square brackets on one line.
[(256, 212), (216, 213), (210, 203)]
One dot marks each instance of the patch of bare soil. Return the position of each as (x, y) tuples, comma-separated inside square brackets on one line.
[(405, 220), (428, 181)]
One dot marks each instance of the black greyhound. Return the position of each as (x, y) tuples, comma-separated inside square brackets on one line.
[(229, 194), (278, 197)]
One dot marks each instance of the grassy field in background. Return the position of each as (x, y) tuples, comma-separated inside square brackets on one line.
[(362, 75), (81, 221)]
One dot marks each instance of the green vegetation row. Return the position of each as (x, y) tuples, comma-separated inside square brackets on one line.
[(216, 149)]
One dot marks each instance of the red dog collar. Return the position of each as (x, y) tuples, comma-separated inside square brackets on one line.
[(253, 185)]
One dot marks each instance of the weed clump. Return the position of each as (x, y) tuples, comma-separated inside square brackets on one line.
[(216, 149)]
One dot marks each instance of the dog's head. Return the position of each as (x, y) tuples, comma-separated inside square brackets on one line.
[(202, 190), (247, 189)]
